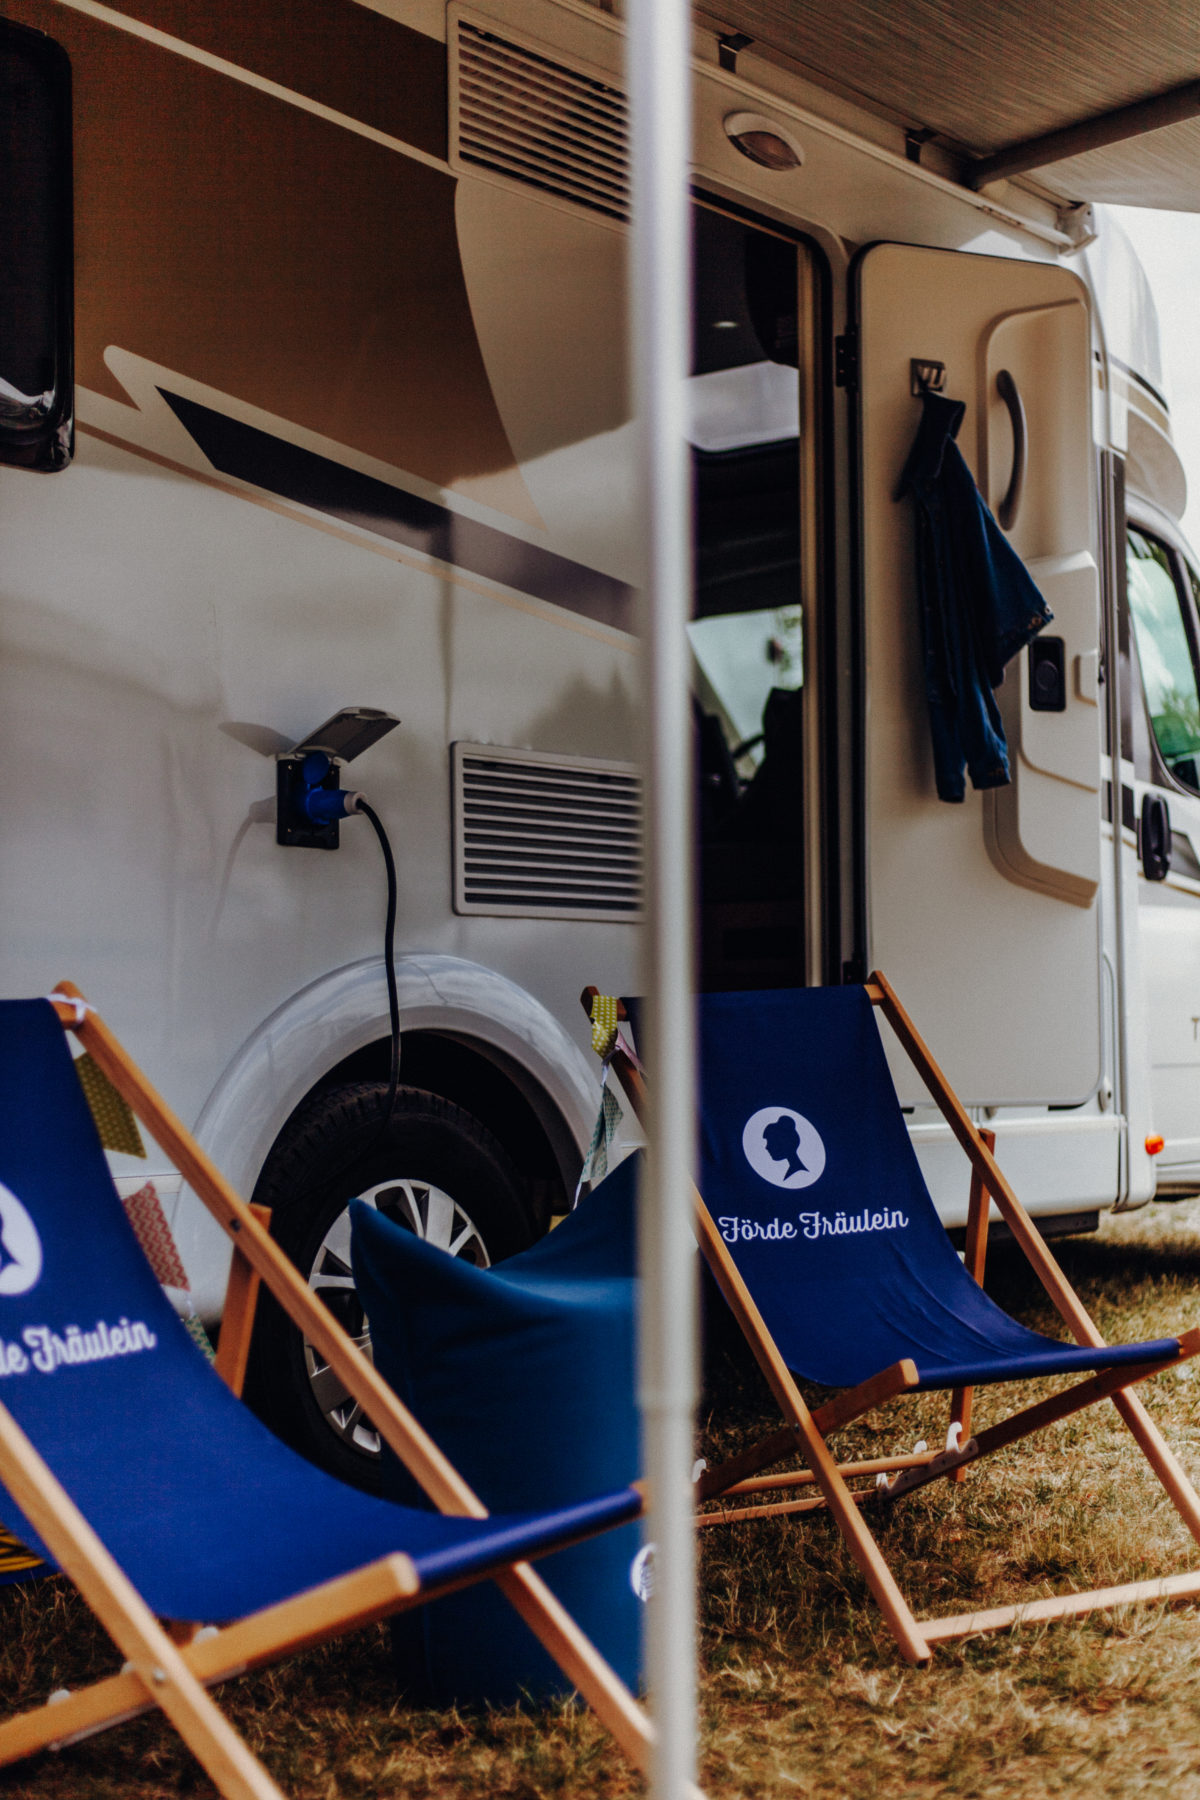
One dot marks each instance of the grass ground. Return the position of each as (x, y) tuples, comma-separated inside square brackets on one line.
[(802, 1691)]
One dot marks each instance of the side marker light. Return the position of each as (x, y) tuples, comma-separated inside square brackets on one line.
[(1155, 1143)]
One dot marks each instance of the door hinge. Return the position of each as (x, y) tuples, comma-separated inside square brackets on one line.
[(845, 361)]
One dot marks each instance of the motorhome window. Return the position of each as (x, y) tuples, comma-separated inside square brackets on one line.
[(35, 251), (1166, 651), (752, 365)]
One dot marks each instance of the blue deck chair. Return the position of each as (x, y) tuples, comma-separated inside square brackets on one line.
[(820, 1232), (127, 1463)]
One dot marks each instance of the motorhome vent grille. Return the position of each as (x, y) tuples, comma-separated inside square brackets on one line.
[(546, 837), (542, 123)]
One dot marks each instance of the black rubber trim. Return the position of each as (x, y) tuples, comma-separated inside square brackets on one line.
[(273, 464)]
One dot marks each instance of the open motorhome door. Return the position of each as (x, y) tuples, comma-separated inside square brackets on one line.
[(986, 911)]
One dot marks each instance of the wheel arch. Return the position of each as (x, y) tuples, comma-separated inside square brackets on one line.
[(459, 1022)]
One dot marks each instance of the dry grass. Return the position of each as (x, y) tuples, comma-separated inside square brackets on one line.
[(802, 1691)]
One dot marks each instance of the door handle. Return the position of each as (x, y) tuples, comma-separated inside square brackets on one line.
[(1156, 837), (1010, 393)]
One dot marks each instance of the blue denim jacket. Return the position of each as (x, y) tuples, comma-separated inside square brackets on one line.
[(979, 605)]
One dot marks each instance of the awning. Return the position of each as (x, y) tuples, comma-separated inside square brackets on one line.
[(994, 79)]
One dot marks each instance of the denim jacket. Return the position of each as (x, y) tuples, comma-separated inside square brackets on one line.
[(979, 605)]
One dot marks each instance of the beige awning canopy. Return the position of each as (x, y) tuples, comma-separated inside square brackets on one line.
[(1095, 99)]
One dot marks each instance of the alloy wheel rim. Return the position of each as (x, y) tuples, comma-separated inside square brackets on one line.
[(429, 1213)]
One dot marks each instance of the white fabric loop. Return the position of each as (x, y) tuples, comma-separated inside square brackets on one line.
[(81, 1006)]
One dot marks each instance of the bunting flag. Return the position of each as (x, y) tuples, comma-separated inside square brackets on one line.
[(118, 1130), (200, 1337), (144, 1212), (604, 1024), (15, 1559), (111, 1111), (595, 1163)]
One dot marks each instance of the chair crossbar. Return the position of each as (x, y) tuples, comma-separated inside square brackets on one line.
[(732, 1475), (877, 1465), (843, 1409), (1062, 1606), (793, 1478), (733, 1515)]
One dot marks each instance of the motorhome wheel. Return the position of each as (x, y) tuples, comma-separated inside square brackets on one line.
[(431, 1167)]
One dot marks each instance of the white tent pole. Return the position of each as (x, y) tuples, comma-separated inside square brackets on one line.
[(659, 53)]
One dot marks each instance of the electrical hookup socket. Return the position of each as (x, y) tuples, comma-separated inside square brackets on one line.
[(309, 800)]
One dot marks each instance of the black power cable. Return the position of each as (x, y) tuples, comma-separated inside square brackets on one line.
[(389, 956), (358, 1151)]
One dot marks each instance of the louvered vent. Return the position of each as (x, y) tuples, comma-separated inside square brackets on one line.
[(540, 122), (546, 837)]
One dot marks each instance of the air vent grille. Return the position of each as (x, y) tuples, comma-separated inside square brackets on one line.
[(541, 123), (544, 837)]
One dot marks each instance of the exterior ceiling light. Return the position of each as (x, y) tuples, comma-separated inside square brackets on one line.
[(763, 141)]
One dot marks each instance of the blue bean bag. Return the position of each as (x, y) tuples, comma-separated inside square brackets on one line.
[(524, 1375)]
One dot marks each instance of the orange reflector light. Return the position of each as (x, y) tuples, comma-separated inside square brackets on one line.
[(1154, 1144)]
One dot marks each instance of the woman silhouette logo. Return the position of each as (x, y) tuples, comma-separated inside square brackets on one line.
[(20, 1246), (783, 1147)]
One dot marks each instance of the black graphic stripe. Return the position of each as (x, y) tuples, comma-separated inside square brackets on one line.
[(329, 487)]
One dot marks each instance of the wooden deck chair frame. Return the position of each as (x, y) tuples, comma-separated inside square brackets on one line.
[(172, 1666), (805, 1431)]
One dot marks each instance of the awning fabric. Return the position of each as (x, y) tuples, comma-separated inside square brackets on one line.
[(989, 75)]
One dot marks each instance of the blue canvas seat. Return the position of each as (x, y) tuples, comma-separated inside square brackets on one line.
[(126, 1461), (811, 1174), (820, 1232)]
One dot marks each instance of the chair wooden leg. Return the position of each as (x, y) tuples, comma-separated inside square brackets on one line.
[(809, 1442), (237, 1315), (1161, 1458), (580, 1661), (975, 1259)]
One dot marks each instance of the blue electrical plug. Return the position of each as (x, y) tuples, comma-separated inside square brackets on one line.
[(319, 803), (309, 802)]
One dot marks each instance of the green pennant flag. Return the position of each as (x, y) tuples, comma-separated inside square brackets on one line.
[(114, 1118)]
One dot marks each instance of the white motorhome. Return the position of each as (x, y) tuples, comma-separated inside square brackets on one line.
[(348, 428)]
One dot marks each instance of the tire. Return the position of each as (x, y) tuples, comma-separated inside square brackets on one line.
[(435, 1170)]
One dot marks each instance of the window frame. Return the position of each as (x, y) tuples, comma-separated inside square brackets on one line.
[(1161, 774), (49, 444)]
